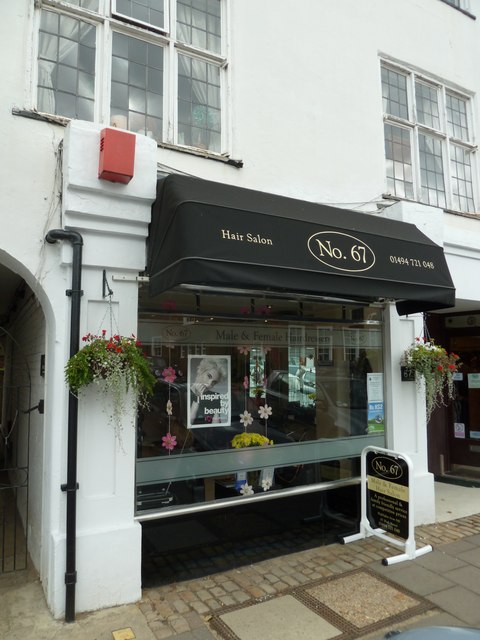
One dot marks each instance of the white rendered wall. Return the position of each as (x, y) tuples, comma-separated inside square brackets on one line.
[(113, 221), (305, 116)]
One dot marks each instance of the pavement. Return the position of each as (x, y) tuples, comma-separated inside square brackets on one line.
[(336, 591)]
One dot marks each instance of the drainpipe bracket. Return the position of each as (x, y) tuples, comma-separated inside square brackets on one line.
[(71, 578), (65, 487), (70, 292)]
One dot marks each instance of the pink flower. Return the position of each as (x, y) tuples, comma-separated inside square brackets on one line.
[(169, 374), (169, 442), (245, 382), (244, 350)]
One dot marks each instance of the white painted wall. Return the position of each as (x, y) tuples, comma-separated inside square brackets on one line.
[(306, 118)]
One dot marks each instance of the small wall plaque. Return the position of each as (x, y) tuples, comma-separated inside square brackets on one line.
[(407, 374)]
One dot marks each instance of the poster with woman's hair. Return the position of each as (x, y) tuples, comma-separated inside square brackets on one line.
[(209, 391)]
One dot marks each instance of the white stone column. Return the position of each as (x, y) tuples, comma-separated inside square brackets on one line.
[(406, 427), (113, 220)]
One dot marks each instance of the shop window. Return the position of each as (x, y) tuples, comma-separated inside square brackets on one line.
[(165, 64), (428, 141), (255, 392)]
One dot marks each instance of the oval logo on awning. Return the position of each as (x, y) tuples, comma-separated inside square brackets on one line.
[(341, 251), (387, 468)]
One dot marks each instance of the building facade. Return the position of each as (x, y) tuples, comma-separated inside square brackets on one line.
[(305, 188)]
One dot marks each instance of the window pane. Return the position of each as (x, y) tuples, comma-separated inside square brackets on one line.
[(312, 374), (198, 23), (394, 91), (462, 190), (432, 182), (427, 105), (137, 86), (66, 66), (85, 4), (457, 117), (399, 161), (199, 116), (147, 11)]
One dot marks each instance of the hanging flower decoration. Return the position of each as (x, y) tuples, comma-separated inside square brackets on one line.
[(120, 364), (433, 365), (245, 382), (265, 350), (265, 412), (266, 310), (168, 305), (246, 418), (266, 484), (169, 374), (246, 490), (169, 407), (244, 350), (169, 441)]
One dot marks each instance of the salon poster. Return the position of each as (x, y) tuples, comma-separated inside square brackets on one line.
[(208, 391), (376, 407)]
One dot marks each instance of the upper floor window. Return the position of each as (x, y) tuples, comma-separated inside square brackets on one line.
[(428, 141), (156, 67), (459, 4)]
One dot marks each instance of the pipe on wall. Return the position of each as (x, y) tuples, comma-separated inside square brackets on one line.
[(71, 485)]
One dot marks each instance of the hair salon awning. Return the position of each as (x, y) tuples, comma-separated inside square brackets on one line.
[(210, 234)]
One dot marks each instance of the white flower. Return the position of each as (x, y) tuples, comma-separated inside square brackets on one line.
[(169, 408), (246, 490), (246, 418), (265, 412), (266, 484)]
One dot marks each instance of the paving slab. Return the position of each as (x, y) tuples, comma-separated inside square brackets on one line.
[(420, 580), (459, 602), (282, 618), (472, 556), (468, 577)]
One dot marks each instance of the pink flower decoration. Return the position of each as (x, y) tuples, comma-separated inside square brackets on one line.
[(244, 350), (169, 442), (265, 310), (245, 310), (245, 382), (169, 374), (169, 305), (265, 350)]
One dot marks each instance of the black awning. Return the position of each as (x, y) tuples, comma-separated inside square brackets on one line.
[(210, 234)]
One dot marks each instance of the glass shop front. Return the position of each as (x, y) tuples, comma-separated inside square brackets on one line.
[(263, 321), (256, 395)]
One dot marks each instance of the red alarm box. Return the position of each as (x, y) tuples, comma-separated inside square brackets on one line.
[(117, 155)]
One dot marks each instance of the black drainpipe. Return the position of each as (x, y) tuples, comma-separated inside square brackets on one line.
[(71, 486)]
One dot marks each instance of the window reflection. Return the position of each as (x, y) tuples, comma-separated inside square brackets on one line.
[(283, 383)]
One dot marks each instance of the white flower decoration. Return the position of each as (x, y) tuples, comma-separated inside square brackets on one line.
[(246, 490), (266, 484), (169, 408), (265, 412), (246, 418)]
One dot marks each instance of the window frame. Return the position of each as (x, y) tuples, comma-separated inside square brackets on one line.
[(108, 21), (417, 128)]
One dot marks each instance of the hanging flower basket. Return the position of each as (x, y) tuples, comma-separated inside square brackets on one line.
[(120, 364), (432, 364)]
